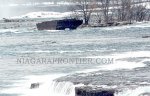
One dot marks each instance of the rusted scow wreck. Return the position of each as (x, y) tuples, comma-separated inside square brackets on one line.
[(59, 24)]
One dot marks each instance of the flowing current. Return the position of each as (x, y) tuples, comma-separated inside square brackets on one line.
[(124, 44)]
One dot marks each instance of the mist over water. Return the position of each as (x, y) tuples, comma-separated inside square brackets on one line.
[(4, 9), (10, 8)]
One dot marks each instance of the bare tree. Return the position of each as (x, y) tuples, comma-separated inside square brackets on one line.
[(125, 7), (104, 9), (111, 10), (85, 7), (117, 10), (140, 12)]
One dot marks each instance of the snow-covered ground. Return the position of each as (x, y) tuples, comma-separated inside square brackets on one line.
[(43, 3), (44, 15)]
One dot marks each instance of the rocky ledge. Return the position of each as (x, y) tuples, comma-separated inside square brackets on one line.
[(91, 91)]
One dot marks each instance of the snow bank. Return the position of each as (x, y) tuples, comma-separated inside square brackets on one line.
[(44, 15), (42, 4)]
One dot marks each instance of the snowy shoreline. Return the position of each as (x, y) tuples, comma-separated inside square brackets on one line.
[(31, 20)]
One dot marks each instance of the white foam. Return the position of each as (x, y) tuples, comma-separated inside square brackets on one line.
[(52, 30), (47, 87), (88, 70), (134, 54), (47, 51), (137, 25), (11, 5), (119, 62), (23, 86), (135, 92), (117, 28), (118, 65), (8, 30)]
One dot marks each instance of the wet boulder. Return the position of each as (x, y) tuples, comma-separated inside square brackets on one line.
[(34, 85), (89, 91), (145, 36)]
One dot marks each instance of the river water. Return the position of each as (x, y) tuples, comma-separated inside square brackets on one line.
[(125, 44)]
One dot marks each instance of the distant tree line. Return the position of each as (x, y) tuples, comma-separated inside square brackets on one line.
[(106, 11)]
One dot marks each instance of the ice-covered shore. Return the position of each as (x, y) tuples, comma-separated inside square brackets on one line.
[(44, 15)]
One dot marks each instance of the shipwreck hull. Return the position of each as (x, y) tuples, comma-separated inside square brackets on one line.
[(59, 24)]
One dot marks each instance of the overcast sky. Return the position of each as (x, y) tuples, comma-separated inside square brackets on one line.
[(25, 1)]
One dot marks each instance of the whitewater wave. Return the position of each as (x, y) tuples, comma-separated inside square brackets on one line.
[(122, 65), (48, 86), (23, 86), (140, 91), (47, 51), (120, 61), (16, 31), (9, 30), (118, 65)]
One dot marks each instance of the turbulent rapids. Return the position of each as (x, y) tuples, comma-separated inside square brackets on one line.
[(128, 45)]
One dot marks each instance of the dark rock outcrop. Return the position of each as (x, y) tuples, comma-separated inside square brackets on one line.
[(89, 91), (59, 24), (34, 85), (47, 25), (145, 36)]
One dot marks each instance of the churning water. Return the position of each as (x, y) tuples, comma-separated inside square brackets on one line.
[(125, 44)]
